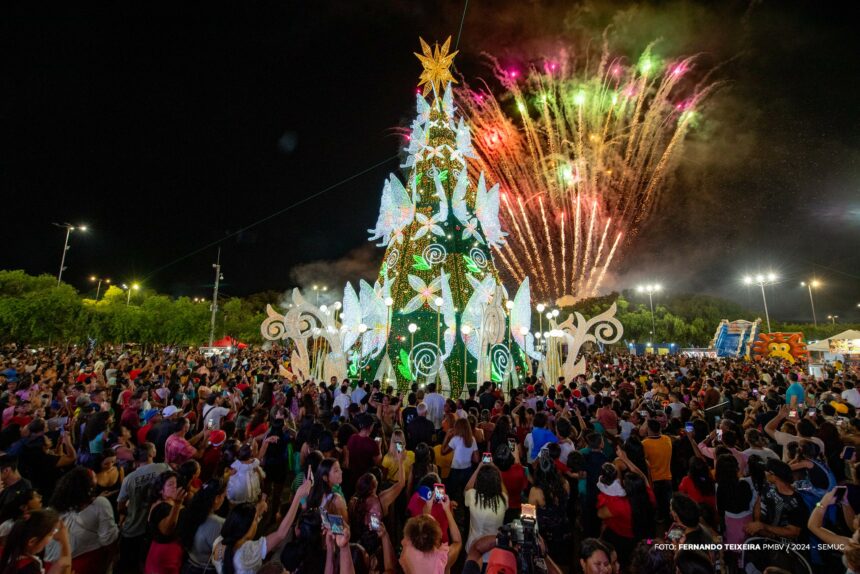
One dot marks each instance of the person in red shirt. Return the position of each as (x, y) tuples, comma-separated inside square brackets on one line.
[(419, 500), (257, 425), (513, 477), (699, 485), (150, 418), (626, 508), (130, 417), (212, 455)]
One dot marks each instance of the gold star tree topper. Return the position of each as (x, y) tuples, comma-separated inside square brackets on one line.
[(436, 63)]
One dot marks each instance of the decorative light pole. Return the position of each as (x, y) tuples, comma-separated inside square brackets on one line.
[(69, 228), (651, 289), (509, 305), (762, 280), (540, 307), (94, 279), (833, 318), (809, 285), (411, 328), (438, 302), (465, 330)]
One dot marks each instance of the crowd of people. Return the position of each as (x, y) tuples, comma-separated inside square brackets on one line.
[(171, 461)]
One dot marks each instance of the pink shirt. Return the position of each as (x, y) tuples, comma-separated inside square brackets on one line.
[(416, 562), (178, 450)]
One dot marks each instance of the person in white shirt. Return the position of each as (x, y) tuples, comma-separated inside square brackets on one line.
[(343, 400), (435, 406), (851, 395), (213, 411), (359, 393), (89, 519)]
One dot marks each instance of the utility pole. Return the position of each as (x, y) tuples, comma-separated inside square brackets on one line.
[(214, 306)]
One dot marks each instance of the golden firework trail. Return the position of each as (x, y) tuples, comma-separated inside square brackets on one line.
[(581, 153)]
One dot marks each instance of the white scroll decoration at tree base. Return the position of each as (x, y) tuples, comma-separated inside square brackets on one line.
[(607, 330)]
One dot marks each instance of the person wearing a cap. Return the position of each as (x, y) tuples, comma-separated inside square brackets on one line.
[(159, 434), (212, 454)]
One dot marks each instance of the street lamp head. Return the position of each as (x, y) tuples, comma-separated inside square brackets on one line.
[(135, 286), (82, 227), (107, 280), (555, 312), (509, 305), (524, 330), (337, 305), (325, 288), (759, 278), (540, 307), (815, 283), (323, 308), (389, 301), (640, 289), (771, 277), (538, 335), (124, 286), (658, 287), (93, 278), (412, 327), (549, 314), (439, 301), (748, 280), (465, 329)]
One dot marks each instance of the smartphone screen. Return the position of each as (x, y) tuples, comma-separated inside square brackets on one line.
[(210, 424), (512, 444), (792, 414), (839, 494), (688, 427), (643, 414), (719, 434), (487, 458), (529, 511), (398, 446), (439, 492), (848, 453), (374, 522), (310, 475), (810, 412), (336, 524)]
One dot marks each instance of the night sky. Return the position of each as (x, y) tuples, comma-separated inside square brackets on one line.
[(168, 130)]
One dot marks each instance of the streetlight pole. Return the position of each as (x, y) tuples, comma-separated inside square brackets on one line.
[(509, 305), (214, 307), (809, 285), (833, 318), (651, 289), (540, 307), (761, 281), (99, 285), (411, 328), (129, 288), (69, 228)]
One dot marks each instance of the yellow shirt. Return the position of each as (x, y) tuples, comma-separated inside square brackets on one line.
[(658, 453), (389, 464), (443, 461)]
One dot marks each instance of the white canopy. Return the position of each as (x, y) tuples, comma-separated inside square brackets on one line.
[(823, 346)]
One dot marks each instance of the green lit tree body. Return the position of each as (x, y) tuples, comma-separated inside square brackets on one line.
[(435, 229)]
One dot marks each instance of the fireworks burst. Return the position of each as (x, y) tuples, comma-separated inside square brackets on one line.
[(581, 154)]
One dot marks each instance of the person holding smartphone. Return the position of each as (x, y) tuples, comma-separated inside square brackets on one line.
[(486, 499), (398, 456), (423, 549)]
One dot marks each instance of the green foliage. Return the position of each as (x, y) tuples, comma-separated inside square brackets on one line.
[(36, 310)]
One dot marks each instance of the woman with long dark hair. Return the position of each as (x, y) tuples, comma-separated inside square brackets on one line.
[(460, 440), (19, 506), (549, 494), (89, 520), (201, 526), (323, 495), (735, 498), (366, 503), (487, 502), (165, 551), (425, 463), (236, 551), (28, 538), (698, 483)]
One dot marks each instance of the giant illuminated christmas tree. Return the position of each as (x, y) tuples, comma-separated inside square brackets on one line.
[(447, 317)]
